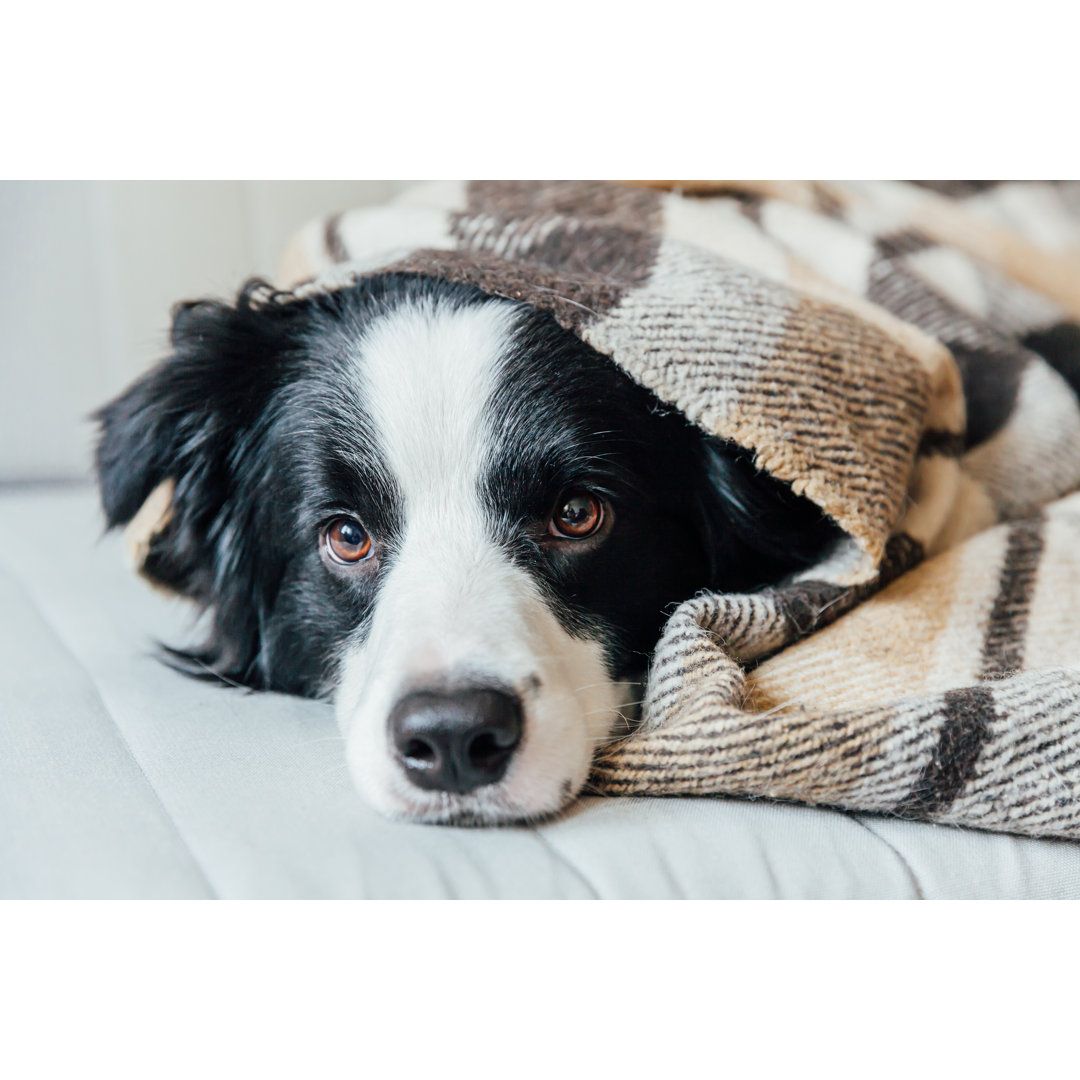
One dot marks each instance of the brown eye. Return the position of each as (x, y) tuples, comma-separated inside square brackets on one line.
[(347, 541), (577, 514)]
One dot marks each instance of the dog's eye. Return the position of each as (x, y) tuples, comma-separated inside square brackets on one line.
[(347, 541), (577, 514)]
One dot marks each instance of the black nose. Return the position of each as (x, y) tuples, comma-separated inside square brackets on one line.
[(456, 740)]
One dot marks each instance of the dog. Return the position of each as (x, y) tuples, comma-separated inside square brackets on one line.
[(447, 514)]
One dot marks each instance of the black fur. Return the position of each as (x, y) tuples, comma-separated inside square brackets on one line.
[(254, 418)]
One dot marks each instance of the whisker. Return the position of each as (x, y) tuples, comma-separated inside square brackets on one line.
[(343, 766), (609, 682), (325, 738), (217, 674), (609, 708)]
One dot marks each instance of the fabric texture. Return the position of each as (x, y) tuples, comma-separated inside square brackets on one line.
[(906, 355)]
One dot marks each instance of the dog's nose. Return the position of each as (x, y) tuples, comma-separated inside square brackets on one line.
[(458, 740)]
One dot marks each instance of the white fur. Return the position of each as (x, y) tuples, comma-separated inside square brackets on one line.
[(452, 608)]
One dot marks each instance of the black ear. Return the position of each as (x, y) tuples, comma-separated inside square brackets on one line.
[(756, 529), (192, 421), (182, 419)]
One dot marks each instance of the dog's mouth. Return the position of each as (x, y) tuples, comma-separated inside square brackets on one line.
[(480, 809), (469, 757), (487, 754)]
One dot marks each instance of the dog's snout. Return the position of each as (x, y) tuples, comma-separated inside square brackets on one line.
[(456, 740)]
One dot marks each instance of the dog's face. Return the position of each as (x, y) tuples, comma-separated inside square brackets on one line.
[(446, 513)]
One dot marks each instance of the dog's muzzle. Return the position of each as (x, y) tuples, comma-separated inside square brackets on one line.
[(456, 741)]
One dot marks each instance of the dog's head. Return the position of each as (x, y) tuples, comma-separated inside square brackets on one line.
[(445, 512)]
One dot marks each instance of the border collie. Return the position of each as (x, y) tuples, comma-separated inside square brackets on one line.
[(444, 512)]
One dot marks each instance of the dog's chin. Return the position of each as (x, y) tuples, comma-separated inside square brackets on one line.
[(480, 808), (508, 802)]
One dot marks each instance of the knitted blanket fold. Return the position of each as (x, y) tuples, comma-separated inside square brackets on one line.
[(907, 355)]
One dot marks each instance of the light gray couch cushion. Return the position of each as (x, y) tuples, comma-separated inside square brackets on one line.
[(120, 778)]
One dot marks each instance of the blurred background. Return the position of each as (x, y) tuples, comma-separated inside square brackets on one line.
[(89, 271)]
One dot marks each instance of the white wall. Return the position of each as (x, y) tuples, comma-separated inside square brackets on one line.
[(88, 272)]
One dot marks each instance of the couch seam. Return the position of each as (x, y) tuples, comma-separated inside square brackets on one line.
[(566, 861), (919, 893)]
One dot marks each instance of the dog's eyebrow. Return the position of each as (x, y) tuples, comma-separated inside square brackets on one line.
[(534, 476), (330, 449), (346, 484)]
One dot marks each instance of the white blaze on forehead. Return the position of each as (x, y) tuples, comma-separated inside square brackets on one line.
[(448, 591), (452, 606), (427, 371)]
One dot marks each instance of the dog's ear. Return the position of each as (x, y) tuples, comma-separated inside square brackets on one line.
[(755, 528), (174, 447)]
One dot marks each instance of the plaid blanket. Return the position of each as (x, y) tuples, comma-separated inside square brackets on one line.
[(907, 355)]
